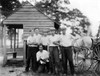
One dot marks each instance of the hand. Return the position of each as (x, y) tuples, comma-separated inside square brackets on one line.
[(43, 60), (35, 43), (56, 43), (29, 43)]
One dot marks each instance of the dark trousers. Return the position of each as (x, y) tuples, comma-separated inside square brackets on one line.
[(54, 59), (67, 56), (43, 67), (44, 47), (31, 57)]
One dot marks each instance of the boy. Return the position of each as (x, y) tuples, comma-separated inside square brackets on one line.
[(43, 59)]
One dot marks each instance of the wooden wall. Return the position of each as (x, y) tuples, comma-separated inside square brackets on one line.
[(30, 18)]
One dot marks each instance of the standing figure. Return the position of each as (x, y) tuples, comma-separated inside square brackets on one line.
[(44, 41), (65, 41), (54, 53), (33, 41)]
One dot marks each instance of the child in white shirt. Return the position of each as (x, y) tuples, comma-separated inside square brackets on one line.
[(43, 59)]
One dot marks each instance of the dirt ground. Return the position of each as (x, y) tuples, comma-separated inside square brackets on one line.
[(18, 71), (16, 68)]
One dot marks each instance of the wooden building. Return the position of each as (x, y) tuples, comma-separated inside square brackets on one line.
[(27, 17)]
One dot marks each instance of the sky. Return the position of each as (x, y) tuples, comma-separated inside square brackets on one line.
[(90, 8)]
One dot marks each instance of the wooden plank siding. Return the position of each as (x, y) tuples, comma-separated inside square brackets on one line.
[(30, 18)]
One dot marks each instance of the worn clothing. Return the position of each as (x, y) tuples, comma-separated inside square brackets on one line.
[(42, 55), (53, 39), (45, 40), (33, 42), (43, 67), (31, 57), (54, 53), (54, 59), (37, 38), (67, 56), (65, 40), (45, 47), (30, 39), (66, 50)]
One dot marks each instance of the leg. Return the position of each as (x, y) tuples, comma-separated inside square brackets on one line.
[(64, 60), (41, 68), (70, 58), (51, 60), (28, 59), (34, 62), (56, 59), (47, 66), (45, 47)]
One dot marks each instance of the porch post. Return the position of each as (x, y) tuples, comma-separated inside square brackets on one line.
[(2, 38), (25, 51), (4, 47), (15, 53), (18, 38)]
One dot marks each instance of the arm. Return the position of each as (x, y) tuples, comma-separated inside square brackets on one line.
[(46, 56), (56, 42), (28, 41), (43, 60), (39, 40), (31, 41), (49, 41), (38, 57)]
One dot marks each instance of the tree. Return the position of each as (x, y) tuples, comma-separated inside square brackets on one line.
[(61, 14), (9, 6), (57, 10)]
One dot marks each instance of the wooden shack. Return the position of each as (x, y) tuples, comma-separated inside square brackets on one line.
[(27, 17)]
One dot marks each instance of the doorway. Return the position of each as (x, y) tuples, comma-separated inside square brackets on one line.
[(14, 40)]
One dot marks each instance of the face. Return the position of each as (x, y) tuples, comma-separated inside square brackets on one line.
[(41, 48), (50, 32), (36, 31), (32, 32), (45, 34)]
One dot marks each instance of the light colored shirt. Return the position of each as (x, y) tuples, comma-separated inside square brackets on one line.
[(34, 39), (45, 40), (30, 39), (53, 39), (66, 40), (37, 38), (42, 55)]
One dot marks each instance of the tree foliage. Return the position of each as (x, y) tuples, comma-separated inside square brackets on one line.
[(9, 6), (57, 10), (63, 15)]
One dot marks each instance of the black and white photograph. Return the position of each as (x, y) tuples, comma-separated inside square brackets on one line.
[(49, 37)]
